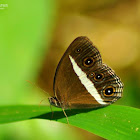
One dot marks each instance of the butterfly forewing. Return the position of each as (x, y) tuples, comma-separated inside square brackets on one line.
[(82, 81)]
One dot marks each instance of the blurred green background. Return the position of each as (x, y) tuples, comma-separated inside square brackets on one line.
[(34, 36)]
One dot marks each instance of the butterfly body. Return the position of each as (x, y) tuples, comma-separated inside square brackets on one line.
[(82, 80)]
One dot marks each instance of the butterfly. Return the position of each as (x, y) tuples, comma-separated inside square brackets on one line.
[(82, 81)]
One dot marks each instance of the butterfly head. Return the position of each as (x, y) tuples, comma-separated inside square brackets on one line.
[(54, 101)]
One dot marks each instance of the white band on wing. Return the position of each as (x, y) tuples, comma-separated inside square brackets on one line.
[(86, 82)]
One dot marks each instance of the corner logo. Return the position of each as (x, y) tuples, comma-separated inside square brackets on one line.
[(3, 6)]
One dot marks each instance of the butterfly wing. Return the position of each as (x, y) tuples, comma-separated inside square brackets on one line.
[(75, 83)]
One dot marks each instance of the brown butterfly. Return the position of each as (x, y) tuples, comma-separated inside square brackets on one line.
[(82, 80)]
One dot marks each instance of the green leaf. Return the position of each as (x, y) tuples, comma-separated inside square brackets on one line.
[(112, 122)]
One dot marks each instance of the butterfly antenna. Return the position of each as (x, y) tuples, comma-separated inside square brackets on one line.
[(44, 99), (65, 115), (37, 87)]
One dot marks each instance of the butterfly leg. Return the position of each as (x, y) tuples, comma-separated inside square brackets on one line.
[(65, 115), (51, 111)]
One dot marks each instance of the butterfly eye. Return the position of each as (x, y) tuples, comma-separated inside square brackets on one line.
[(88, 62), (109, 91), (78, 50), (99, 77)]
